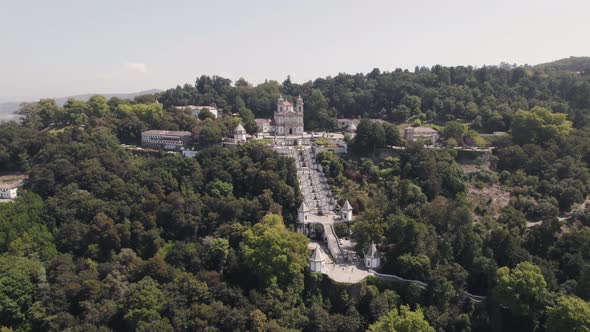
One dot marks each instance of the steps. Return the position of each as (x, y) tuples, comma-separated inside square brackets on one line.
[(316, 194)]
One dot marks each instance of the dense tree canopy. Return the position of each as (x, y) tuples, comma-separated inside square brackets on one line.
[(538, 125), (275, 254), (104, 237), (403, 321)]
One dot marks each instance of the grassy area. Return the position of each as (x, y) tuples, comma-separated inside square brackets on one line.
[(323, 141)]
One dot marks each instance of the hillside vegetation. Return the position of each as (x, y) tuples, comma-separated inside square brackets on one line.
[(107, 238), (573, 64)]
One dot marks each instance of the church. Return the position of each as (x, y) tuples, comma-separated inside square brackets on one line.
[(288, 120)]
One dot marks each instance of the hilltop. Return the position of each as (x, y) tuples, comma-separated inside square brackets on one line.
[(7, 109), (573, 63)]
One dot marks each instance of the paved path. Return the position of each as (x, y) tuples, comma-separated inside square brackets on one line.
[(352, 273), (564, 216), (316, 194), (436, 147)]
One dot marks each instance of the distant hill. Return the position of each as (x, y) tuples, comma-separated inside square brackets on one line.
[(8, 109), (61, 101), (573, 63)]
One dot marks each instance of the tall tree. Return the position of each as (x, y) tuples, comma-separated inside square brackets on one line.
[(538, 125), (276, 255), (404, 320), (521, 289), (569, 314)]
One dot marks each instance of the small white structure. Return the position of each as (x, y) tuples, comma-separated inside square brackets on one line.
[(9, 185), (240, 134), (348, 124), (189, 153), (196, 110), (165, 139), (302, 213), (372, 259), (316, 260), (8, 190), (411, 134), (263, 125), (347, 211)]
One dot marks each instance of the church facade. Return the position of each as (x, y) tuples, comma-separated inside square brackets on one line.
[(288, 118)]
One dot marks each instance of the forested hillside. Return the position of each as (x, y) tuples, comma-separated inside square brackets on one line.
[(572, 64), (107, 238), (486, 97)]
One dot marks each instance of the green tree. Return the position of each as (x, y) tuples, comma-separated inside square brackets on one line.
[(404, 320), (19, 279), (316, 113), (413, 103), (49, 112), (276, 255), (210, 132), (513, 219), (22, 231), (98, 106), (76, 112), (568, 197), (205, 114), (454, 130), (538, 125), (369, 136), (569, 314), (392, 134), (149, 113), (413, 267), (521, 289), (142, 303), (248, 121), (216, 253)]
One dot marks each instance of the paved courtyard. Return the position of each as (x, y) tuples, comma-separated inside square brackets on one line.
[(345, 273)]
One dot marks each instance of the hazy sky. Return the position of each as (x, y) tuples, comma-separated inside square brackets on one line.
[(60, 48)]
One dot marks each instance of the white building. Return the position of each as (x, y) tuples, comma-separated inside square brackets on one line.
[(372, 259), (240, 134), (316, 260), (196, 110), (412, 134), (287, 119), (347, 211), (348, 124), (9, 185), (264, 125), (189, 153), (8, 190), (165, 139)]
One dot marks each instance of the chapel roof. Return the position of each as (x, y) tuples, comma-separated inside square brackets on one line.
[(347, 206), (372, 253), (239, 128), (303, 207), (316, 255)]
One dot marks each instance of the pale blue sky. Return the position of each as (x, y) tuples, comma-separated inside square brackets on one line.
[(59, 48)]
